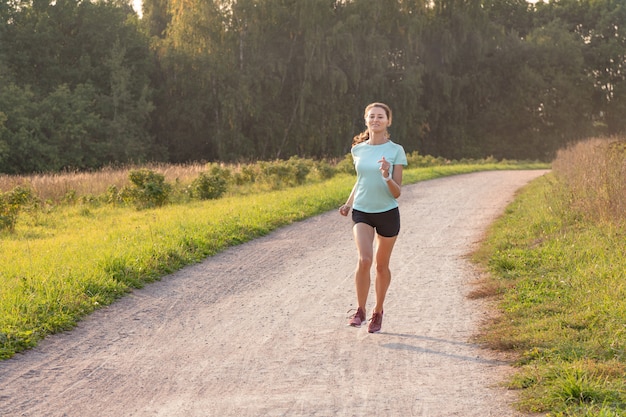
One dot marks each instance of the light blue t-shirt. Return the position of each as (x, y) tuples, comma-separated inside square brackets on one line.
[(372, 194)]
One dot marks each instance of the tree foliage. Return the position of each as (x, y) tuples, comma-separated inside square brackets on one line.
[(76, 90), (89, 83)]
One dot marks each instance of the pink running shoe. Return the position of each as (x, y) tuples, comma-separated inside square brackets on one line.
[(357, 318), (376, 322)]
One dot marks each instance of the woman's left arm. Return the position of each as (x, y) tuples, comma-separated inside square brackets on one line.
[(395, 183)]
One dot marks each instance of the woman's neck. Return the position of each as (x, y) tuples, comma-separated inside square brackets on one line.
[(378, 138)]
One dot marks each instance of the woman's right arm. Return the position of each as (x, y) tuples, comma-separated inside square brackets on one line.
[(345, 209)]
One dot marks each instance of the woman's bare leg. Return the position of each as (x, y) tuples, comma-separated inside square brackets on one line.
[(364, 238), (384, 246)]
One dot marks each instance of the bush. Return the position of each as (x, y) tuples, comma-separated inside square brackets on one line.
[(346, 165), (210, 185), (414, 160), (113, 195), (148, 189), (247, 175), (10, 205), (8, 213), (289, 173), (322, 170)]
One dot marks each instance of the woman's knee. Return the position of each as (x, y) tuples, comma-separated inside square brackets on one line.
[(365, 262), (382, 268)]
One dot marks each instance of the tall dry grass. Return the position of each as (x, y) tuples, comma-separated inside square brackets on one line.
[(595, 173), (56, 186), (269, 175)]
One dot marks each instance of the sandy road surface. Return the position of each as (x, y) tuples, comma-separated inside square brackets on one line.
[(260, 330)]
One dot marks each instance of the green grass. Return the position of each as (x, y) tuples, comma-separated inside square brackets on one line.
[(561, 281), (61, 264)]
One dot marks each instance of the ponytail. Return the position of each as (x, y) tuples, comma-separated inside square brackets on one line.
[(361, 137)]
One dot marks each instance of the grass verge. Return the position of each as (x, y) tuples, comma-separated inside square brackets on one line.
[(561, 282)]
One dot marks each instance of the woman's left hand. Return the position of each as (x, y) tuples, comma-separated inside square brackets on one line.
[(384, 166)]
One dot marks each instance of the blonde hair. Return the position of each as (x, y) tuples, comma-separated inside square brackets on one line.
[(363, 136)]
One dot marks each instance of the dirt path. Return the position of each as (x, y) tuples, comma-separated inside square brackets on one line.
[(259, 330)]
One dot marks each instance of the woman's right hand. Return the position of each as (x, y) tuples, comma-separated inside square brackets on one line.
[(344, 210)]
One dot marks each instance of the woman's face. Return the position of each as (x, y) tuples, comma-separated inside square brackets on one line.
[(376, 120)]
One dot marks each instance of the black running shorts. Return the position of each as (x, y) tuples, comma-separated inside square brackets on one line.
[(386, 224)]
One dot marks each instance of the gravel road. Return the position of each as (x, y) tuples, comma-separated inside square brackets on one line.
[(260, 329)]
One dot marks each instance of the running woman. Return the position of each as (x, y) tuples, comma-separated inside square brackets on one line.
[(378, 162)]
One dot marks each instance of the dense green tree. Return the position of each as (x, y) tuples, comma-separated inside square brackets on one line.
[(71, 127), (156, 16), (291, 77), (381, 60), (185, 108), (536, 105), (605, 42), (600, 27), (512, 16), (22, 138), (454, 44), (87, 59), (87, 83), (126, 113)]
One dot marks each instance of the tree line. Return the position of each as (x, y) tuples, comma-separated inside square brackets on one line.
[(90, 83)]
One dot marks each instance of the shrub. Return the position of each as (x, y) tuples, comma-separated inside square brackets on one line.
[(322, 170), (113, 195), (210, 185), (346, 165), (8, 213), (246, 174), (278, 174), (414, 160), (10, 205), (148, 189), (299, 168)]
